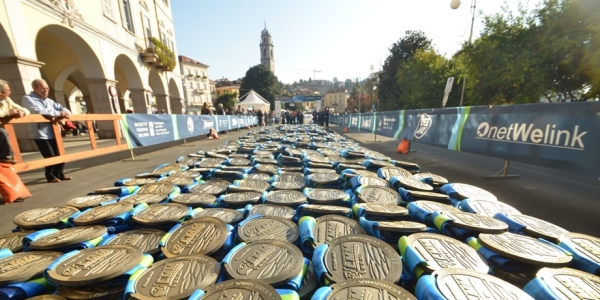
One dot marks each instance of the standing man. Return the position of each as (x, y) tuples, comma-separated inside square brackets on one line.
[(326, 117), (39, 103), (8, 109), (260, 116)]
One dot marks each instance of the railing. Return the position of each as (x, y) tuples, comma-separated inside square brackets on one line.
[(62, 157)]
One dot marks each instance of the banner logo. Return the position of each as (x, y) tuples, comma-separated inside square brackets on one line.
[(424, 125), (524, 133), (208, 124), (234, 121), (190, 125)]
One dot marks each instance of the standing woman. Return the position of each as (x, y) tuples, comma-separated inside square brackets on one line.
[(205, 111)]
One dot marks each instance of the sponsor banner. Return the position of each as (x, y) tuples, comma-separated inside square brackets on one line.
[(144, 130), (367, 121), (387, 123), (188, 126), (223, 123), (560, 135), (207, 122), (427, 126)]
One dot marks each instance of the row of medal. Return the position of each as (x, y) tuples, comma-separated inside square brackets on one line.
[(292, 212)]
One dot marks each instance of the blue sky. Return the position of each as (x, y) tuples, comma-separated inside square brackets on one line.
[(339, 38)]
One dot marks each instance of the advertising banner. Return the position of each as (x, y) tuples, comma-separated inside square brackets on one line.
[(144, 130), (388, 123), (558, 135), (430, 126), (207, 122), (188, 126), (223, 123)]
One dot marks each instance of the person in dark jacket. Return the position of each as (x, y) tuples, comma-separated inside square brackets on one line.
[(260, 116), (300, 117), (326, 117)]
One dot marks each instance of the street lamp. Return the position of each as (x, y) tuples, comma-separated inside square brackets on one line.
[(454, 4), (373, 97)]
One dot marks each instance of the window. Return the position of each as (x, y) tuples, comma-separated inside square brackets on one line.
[(147, 26), (107, 8), (127, 19)]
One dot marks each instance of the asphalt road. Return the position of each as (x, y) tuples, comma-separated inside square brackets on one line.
[(565, 199)]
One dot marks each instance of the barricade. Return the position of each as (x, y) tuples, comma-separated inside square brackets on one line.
[(21, 166)]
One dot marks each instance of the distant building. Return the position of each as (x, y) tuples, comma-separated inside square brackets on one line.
[(267, 57), (336, 100), (196, 84), (213, 91), (224, 86)]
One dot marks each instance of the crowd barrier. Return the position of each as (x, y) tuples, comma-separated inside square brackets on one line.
[(139, 130), (558, 135)]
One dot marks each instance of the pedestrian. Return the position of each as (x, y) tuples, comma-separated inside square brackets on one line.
[(8, 109), (42, 133), (326, 117), (206, 111), (300, 118), (259, 114)]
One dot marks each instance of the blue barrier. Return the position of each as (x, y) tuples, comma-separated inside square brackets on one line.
[(565, 136), (144, 130)]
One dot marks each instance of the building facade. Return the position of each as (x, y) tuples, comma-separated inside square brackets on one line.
[(196, 85), (98, 56), (336, 100), (224, 86), (267, 58)]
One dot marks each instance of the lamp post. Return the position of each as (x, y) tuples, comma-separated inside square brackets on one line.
[(454, 4)]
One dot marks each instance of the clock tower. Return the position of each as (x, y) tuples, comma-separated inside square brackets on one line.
[(267, 57)]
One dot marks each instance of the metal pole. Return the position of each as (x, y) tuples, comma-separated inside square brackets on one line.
[(473, 6)]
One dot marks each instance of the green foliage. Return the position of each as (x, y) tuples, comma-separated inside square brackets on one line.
[(422, 80), (166, 56), (260, 79), (551, 53), (389, 91), (228, 100)]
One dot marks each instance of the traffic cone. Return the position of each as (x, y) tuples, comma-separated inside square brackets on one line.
[(403, 146)]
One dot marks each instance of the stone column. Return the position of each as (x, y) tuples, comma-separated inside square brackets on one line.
[(141, 101), (59, 97), (19, 72), (176, 106), (102, 103), (162, 102)]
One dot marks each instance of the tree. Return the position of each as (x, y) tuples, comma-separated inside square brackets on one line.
[(260, 79), (348, 84), (388, 91), (228, 100), (336, 83), (422, 80), (566, 31)]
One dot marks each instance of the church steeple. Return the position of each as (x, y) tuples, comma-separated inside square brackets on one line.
[(267, 58)]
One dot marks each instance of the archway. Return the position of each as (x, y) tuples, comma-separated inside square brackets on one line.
[(70, 60), (159, 91), (175, 97), (130, 87)]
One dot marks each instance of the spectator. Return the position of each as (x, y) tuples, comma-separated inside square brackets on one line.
[(206, 111), (260, 116), (8, 109), (39, 103)]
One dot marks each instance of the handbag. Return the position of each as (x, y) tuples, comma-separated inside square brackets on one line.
[(69, 125), (11, 187)]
